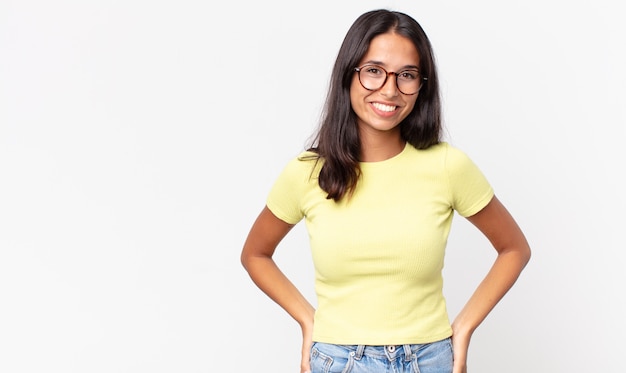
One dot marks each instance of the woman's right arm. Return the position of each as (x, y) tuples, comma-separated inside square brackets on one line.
[(256, 257)]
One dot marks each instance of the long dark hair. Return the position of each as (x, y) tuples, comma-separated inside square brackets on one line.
[(337, 141)]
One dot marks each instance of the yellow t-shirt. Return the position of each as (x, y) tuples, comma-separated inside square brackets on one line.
[(378, 255)]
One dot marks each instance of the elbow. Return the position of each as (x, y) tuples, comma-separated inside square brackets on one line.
[(249, 258), (519, 253), (244, 259), (525, 254)]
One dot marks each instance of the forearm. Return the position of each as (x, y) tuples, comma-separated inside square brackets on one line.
[(271, 280), (501, 277)]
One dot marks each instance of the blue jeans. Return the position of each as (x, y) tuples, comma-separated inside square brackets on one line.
[(418, 358)]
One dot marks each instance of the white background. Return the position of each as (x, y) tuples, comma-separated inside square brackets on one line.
[(138, 140)]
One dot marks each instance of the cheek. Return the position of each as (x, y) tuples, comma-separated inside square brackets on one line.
[(410, 105), (356, 96)]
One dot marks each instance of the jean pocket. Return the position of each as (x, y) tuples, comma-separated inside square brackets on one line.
[(328, 358), (320, 362), (435, 357)]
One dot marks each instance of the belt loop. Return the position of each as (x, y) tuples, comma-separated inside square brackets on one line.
[(408, 353), (359, 351)]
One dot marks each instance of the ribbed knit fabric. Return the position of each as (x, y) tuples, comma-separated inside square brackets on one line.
[(378, 255)]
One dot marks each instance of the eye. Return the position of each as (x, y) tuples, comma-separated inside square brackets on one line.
[(373, 70), (409, 75)]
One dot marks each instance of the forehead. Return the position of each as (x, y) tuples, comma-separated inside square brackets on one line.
[(391, 50)]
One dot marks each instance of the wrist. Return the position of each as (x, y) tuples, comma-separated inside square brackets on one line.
[(461, 330), (306, 324)]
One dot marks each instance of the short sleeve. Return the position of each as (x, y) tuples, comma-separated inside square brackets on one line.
[(470, 191), (286, 195)]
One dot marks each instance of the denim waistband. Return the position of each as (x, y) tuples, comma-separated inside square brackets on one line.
[(390, 352)]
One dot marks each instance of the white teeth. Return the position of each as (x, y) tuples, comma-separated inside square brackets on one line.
[(383, 107)]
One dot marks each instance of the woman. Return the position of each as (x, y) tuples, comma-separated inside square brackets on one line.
[(378, 191)]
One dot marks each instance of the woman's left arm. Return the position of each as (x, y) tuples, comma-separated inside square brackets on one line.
[(495, 222)]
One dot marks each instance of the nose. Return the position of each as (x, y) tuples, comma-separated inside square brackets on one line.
[(390, 88)]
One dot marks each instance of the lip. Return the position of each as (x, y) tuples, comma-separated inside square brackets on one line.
[(384, 113)]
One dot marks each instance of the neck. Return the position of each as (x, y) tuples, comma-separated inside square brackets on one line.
[(382, 147)]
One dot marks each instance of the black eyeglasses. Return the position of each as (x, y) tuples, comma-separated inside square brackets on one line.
[(374, 77)]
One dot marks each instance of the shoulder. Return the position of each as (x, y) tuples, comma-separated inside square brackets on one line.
[(303, 166), (441, 157), (451, 155)]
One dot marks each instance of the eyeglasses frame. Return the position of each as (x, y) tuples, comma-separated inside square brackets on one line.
[(388, 73)]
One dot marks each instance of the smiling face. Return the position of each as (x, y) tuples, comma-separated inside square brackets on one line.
[(383, 109)]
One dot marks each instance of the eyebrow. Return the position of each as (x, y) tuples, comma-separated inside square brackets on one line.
[(380, 63)]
